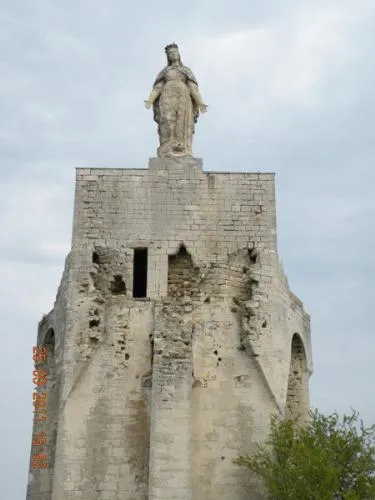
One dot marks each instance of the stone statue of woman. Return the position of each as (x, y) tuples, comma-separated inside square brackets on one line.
[(176, 101)]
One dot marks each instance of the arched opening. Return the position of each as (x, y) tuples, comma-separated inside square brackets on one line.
[(297, 400), (182, 275)]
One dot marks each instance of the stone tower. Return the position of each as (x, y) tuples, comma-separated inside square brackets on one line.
[(173, 339), (174, 336)]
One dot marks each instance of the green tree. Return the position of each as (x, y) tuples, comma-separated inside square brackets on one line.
[(328, 458)]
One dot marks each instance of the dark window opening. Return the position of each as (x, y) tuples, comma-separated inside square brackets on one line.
[(140, 273), (117, 286), (95, 258)]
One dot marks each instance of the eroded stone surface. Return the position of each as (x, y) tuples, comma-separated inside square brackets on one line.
[(152, 397)]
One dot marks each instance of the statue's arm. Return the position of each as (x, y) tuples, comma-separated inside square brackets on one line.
[(194, 92), (155, 93)]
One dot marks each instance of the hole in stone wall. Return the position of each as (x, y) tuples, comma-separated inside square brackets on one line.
[(95, 258), (147, 382), (117, 285), (127, 356), (197, 383), (140, 273), (252, 284), (253, 255), (94, 322)]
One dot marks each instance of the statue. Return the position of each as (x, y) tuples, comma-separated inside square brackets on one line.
[(176, 103)]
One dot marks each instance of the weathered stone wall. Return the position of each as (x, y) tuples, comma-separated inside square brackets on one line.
[(51, 334), (159, 394)]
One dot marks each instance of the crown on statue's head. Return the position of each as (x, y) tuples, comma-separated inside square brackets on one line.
[(171, 46)]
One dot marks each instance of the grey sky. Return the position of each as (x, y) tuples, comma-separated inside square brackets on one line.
[(290, 88)]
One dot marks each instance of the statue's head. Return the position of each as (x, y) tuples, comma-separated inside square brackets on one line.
[(173, 54)]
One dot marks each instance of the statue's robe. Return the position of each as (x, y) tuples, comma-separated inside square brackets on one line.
[(161, 77)]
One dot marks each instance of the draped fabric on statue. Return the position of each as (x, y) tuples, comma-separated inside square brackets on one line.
[(175, 110)]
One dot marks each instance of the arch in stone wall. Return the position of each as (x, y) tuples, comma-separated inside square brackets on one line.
[(49, 340), (182, 274), (297, 400)]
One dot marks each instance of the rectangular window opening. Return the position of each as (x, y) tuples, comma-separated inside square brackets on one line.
[(140, 273)]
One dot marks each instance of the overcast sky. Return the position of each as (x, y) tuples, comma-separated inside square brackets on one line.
[(290, 88)]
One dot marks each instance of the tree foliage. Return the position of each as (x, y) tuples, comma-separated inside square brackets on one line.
[(329, 457)]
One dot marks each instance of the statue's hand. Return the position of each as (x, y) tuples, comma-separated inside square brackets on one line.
[(203, 108), (148, 104)]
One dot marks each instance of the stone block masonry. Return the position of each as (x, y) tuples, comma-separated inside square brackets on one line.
[(174, 336)]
